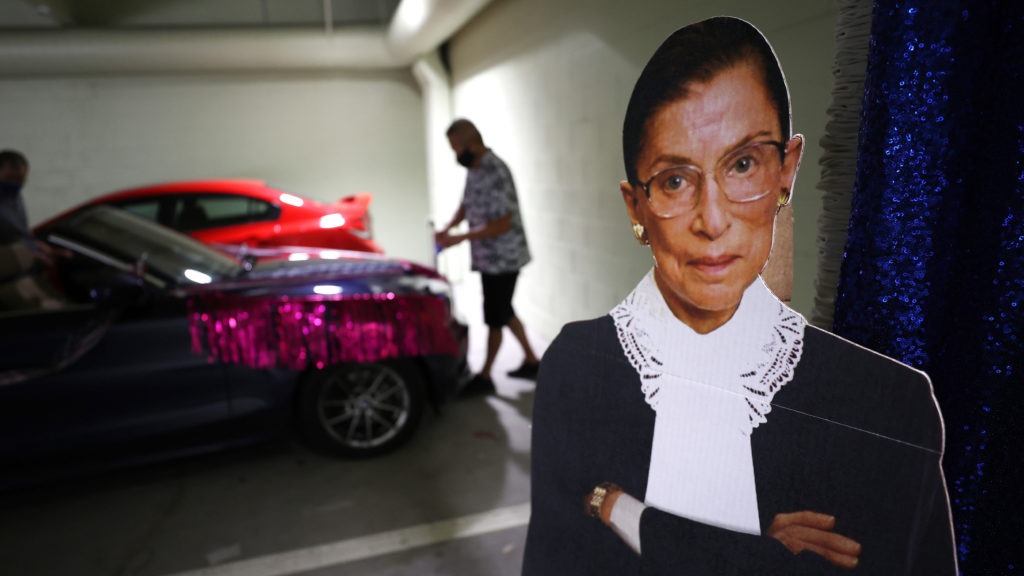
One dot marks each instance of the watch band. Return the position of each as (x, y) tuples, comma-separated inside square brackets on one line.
[(597, 496)]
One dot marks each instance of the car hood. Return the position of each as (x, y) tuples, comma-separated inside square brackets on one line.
[(332, 277)]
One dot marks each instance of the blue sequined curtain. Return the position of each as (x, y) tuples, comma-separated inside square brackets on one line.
[(933, 272)]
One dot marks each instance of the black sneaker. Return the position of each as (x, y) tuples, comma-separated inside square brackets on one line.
[(479, 386), (527, 371)]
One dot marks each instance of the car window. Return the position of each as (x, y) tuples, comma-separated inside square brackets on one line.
[(148, 208), (204, 211), (121, 240)]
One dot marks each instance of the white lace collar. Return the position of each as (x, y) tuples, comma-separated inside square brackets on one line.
[(753, 354)]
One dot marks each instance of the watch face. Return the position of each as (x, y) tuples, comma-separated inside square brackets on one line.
[(596, 499)]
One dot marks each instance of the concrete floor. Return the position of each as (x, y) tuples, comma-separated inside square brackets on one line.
[(452, 501)]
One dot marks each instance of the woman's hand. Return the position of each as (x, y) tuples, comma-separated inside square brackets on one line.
[(806, 530)]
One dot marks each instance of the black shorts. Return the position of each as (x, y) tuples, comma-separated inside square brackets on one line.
[(498, 290)]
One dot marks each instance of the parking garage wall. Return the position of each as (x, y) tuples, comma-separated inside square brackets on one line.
[(548, 83), (323, 135)]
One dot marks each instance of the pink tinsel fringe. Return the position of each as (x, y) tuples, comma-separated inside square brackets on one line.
[(276, 332)]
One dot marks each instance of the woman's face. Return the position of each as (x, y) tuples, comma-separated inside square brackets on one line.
[(708, 255)]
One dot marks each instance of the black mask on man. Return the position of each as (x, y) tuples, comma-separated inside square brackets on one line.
[(466, 158)]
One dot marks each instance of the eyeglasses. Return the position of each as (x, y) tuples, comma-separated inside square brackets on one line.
[(745, 175)]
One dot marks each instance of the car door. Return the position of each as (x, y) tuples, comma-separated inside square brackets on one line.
[(134, 380)]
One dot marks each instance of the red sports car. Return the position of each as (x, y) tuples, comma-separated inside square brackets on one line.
[(233, 212)]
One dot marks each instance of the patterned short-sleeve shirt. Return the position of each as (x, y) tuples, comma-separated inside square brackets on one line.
[(490, 194)]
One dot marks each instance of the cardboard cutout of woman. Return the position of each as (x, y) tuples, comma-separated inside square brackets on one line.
[(702, 427)]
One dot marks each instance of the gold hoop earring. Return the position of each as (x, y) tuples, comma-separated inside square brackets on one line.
[(640, 234), (784, 197)]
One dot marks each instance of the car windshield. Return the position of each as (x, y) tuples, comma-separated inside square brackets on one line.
[(130, 239)]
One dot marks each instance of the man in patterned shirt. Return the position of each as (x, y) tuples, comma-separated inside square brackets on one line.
[(497, 242)]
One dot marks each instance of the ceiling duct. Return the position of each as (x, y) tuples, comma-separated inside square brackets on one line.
[(418, 27), (133, 52)]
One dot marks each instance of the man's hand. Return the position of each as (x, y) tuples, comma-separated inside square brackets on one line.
[(45, 254), (806, 530), (445, 240)]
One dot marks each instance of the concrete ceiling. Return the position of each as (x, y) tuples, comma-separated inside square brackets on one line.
[(176, 14)]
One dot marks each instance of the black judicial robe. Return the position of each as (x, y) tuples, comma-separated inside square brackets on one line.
[(854, 434)]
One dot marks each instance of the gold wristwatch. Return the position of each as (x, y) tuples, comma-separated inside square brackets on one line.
[(597, 496)]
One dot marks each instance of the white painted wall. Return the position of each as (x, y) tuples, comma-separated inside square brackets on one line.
[(547, 84), (320, 135)]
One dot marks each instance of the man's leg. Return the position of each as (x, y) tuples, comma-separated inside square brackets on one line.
[(497, 300), (520, 333), (528, 369), (493, 344)]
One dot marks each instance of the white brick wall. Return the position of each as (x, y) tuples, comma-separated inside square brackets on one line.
[(548, 82)]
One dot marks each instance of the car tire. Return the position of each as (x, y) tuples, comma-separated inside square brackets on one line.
[(360, 410)]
